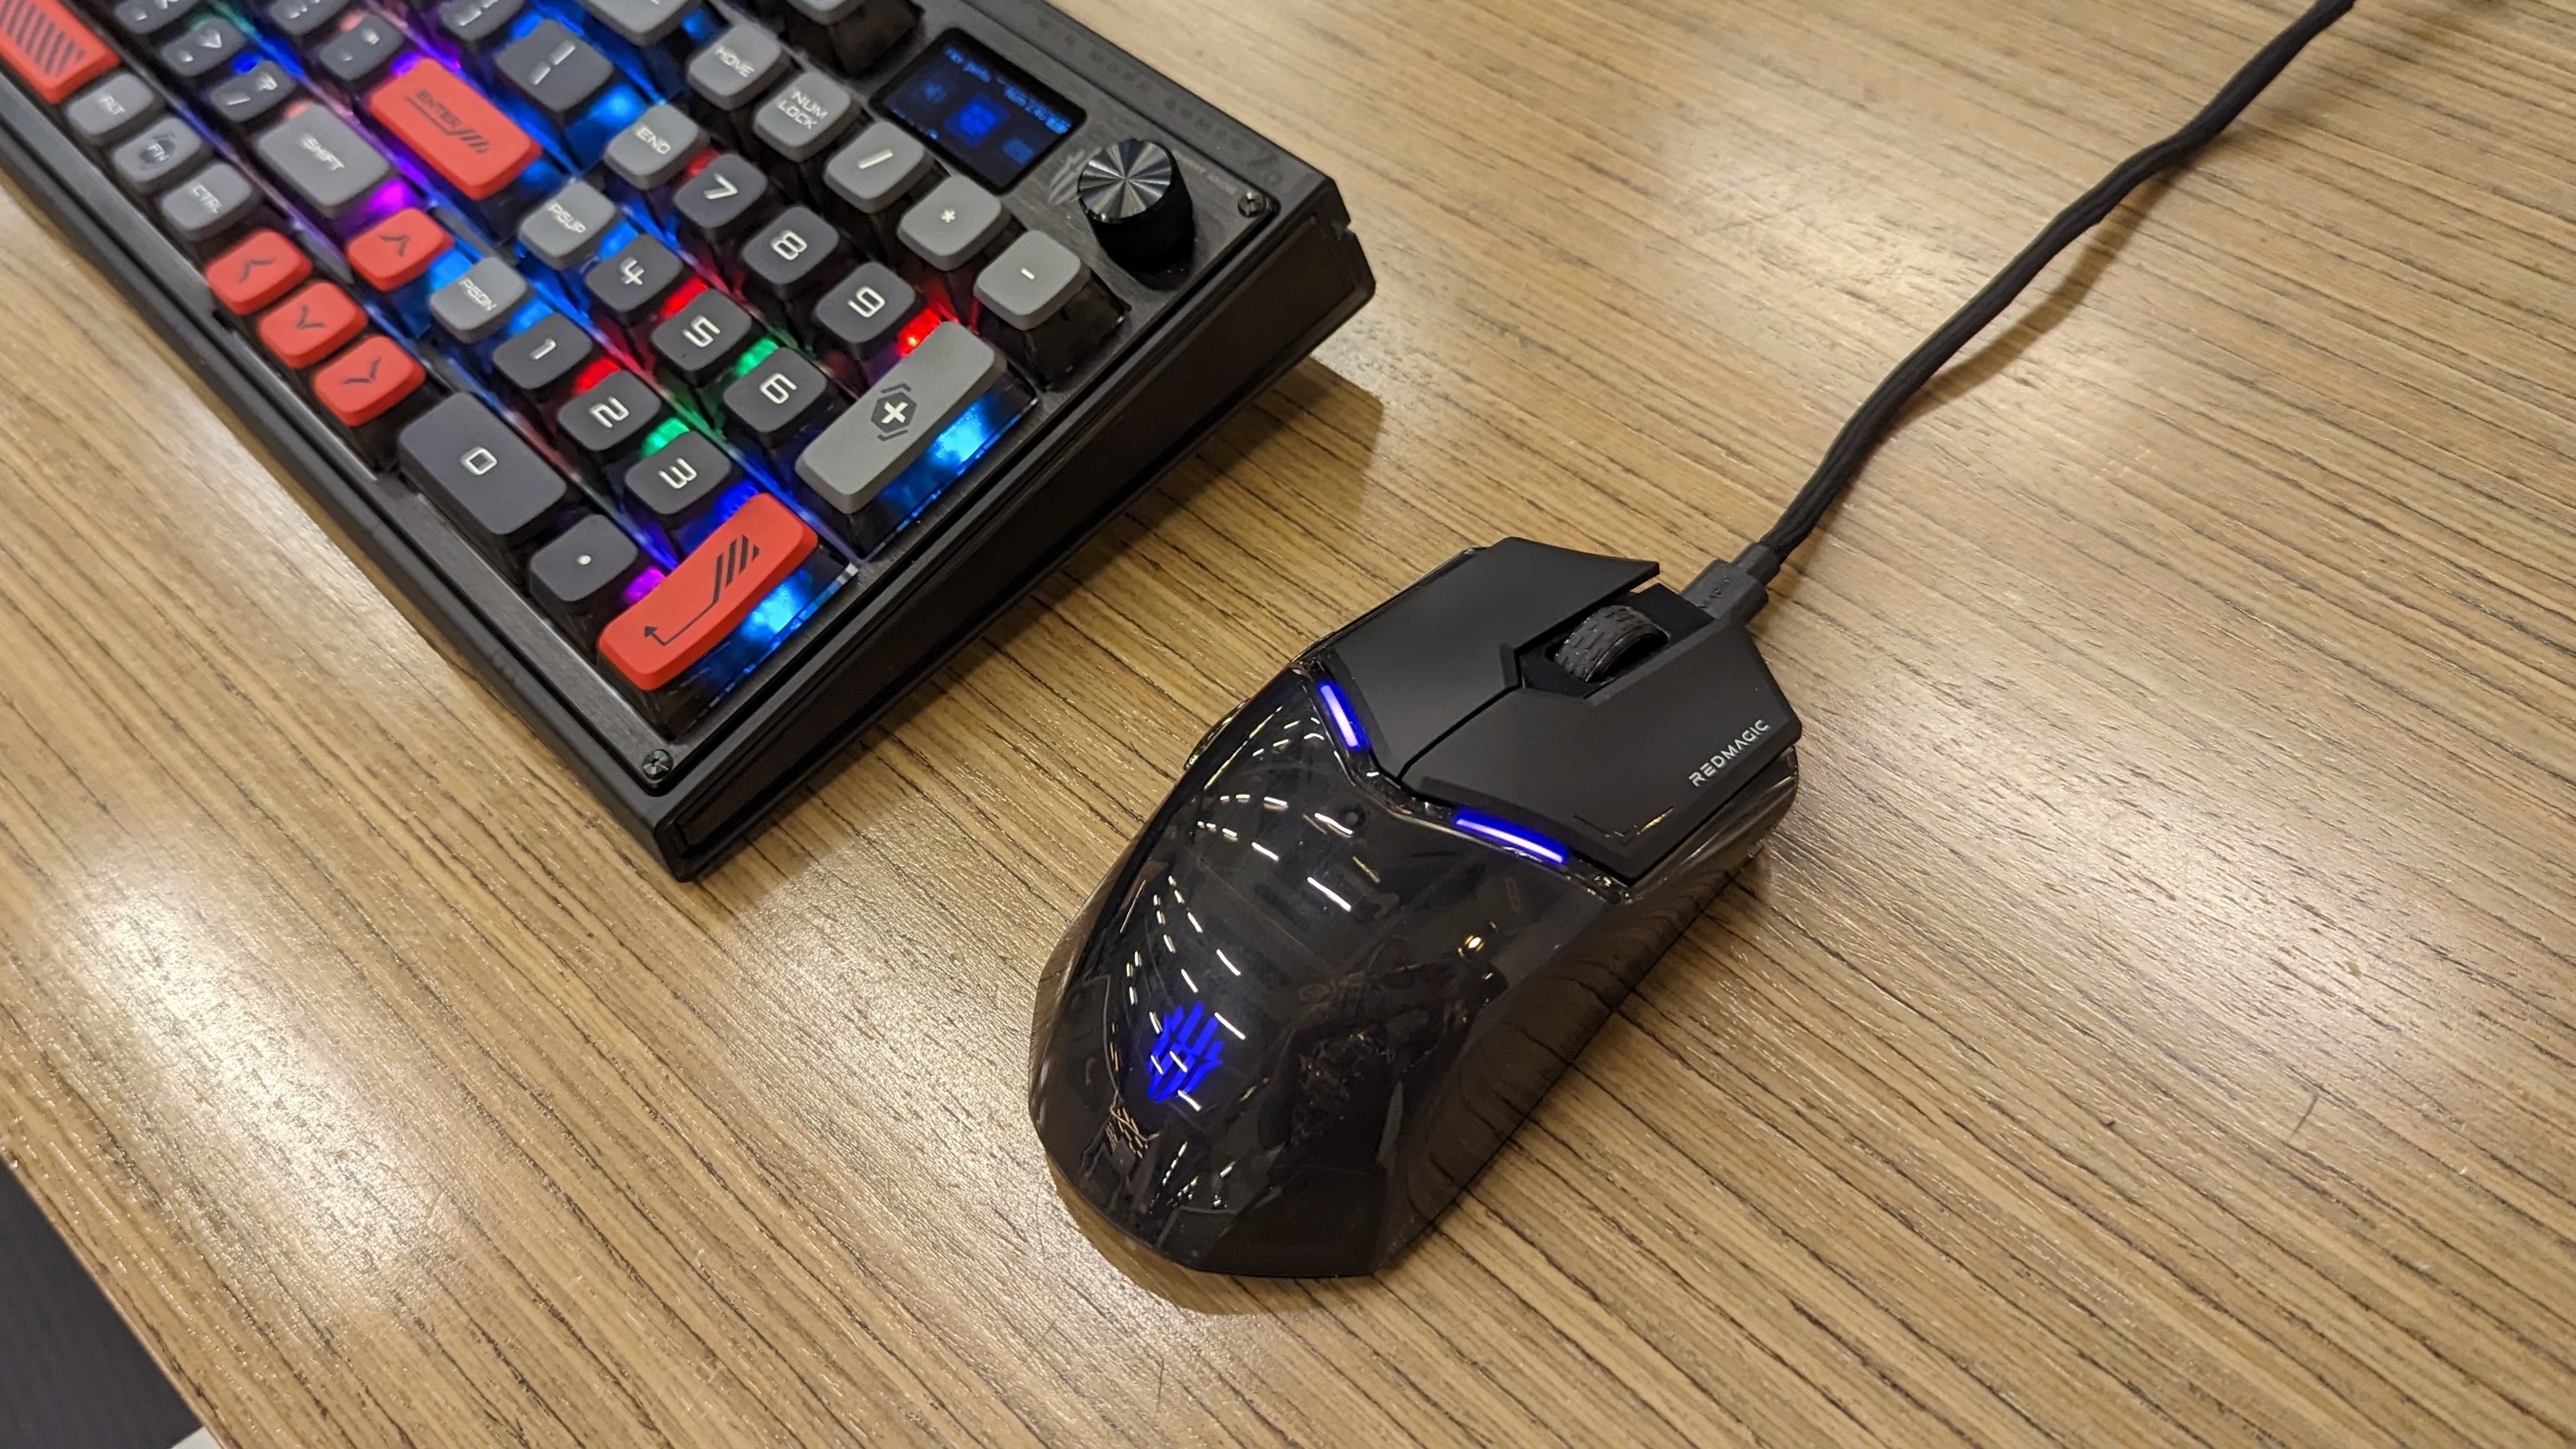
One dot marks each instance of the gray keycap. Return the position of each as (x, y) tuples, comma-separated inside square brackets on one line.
[(565, 231), (112, 110), (322, 162), (738, 68), (209, 204), (168, 149), (954, 222), (475, 305), (642, 22), (859, 455), (1031, 281), (878, 168), (650, 153), (808, 114)]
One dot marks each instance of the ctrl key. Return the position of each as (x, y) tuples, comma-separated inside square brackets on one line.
[(205, 212), (501, 494)]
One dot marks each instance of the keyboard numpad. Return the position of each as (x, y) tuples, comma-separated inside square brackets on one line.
[(581, 579), (708, 595), (679, 327), (788, 261), (499, 491), (953, 226), (861, 318), (897, 421), (808, 114), (539, 364)]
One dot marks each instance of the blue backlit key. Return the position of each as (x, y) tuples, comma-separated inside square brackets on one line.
[(898, 420)]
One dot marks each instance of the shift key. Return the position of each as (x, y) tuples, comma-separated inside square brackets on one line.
[(871, 445), (322, 161)]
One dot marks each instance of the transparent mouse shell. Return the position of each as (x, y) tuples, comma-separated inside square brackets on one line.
[(1306, 1008)]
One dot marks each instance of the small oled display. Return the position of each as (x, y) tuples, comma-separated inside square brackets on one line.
[(987, 117)]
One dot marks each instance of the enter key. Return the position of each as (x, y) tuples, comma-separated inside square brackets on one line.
[(707, 597)]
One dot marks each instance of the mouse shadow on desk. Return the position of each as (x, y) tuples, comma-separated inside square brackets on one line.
[(1236, 1295)]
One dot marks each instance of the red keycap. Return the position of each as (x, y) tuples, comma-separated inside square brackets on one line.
[(448, 124), (311, 325), (397, 250), (708, 595), (50, 49), (361, 384), (257, 272)]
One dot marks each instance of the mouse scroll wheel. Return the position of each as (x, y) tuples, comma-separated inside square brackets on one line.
[(1609, 641)]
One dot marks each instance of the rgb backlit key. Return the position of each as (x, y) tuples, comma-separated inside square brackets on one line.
[(255, 274), (708, 595), (311, 325), (50, 49), (453, 129)]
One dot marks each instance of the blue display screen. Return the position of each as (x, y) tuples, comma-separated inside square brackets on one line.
[(987, 117)]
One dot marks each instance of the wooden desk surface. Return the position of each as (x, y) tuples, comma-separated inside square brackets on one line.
[(2157, 1022)]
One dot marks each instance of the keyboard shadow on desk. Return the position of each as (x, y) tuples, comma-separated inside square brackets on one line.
[(1330, 479)]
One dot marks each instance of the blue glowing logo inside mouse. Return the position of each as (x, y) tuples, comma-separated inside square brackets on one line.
[(1184, 1053)]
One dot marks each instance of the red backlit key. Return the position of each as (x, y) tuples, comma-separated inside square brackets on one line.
[(708, 595), (397, 250), (258, 272), (449, 125), (363, 383), (50, 49), (311, 325)]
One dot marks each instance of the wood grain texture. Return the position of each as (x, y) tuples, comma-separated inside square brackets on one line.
[(2156, 1024)]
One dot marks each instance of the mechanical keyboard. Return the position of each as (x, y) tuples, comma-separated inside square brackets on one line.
[(706, 370)]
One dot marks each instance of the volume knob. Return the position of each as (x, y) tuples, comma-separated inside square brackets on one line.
[(1138, 205)]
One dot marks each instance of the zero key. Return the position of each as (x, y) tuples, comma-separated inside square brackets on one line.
[(499, 491)]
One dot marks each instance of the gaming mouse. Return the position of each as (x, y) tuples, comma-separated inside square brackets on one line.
[(1391, 898), (1396, 892)]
